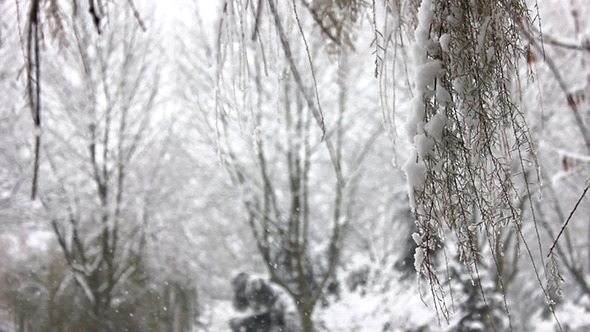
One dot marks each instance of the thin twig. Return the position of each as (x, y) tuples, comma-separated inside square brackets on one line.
[(257, 19), (315, 82), (34, 85), (319, 22), (568, 219), (571, 103), (585, 46), (289, 55), (95, 13), (137, 15)]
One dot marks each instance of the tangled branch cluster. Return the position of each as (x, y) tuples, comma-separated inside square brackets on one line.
[(471, 143), (48, 16)]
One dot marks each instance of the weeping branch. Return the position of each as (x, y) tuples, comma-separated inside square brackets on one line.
[(568, 220), (34, 36), (569, 96)]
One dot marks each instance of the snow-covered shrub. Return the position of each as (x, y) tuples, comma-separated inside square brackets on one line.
[(269, 307)]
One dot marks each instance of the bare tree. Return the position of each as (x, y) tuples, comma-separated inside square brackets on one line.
[(101, 97), (297, 174)]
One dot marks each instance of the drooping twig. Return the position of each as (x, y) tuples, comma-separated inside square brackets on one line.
[(315, 84), (257, 20), (571, 103), (317, 114), (585, 46), (33, 85), (94, 12), (137, 15), (568, 219), (315, 110), (319, 22)]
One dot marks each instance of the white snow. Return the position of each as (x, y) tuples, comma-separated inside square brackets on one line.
[(418, 259), (40, 240), (415, 171), (426, 73), (444, 42), (436, 125), (417, 238), (442, 95), (416, 117), (482, 34), (458, 85), (571, 316), (399, 308), (424, 145)]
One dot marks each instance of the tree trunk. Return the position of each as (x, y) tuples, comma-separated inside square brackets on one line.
[(305, 317)]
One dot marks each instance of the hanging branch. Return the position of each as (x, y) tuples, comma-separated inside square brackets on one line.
[(545, 39), (33, 67), (94, 11), (137, 15), (33, 85), (318, 20), (570, 98), (568, 219), (257, 20), (316, 111)]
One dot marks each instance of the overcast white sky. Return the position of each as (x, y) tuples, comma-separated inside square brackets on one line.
[(177, 11)]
